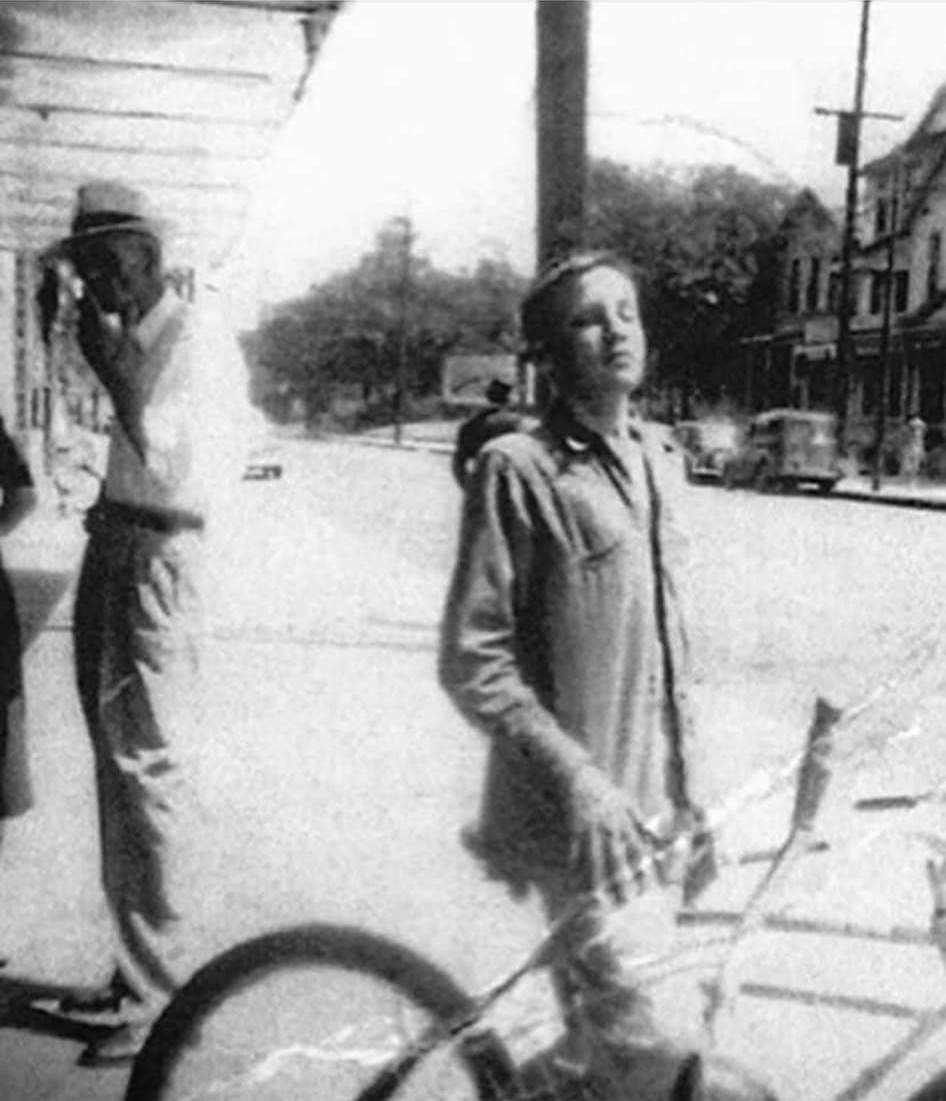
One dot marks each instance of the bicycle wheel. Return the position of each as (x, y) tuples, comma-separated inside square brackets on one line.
[(321, 1013)]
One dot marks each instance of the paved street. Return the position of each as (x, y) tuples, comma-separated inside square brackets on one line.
[(341, 776)]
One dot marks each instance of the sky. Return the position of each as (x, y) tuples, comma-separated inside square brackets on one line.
[(426, 108)]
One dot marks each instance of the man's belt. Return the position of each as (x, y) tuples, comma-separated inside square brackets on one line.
[(163, 521)]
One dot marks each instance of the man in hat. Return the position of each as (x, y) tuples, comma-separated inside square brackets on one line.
[(484, 425), (564, 641), (178, 390)]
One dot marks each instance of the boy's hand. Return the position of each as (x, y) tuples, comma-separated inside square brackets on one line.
[(701, 865), (608, 846)]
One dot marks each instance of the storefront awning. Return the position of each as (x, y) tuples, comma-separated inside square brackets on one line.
[(181, 98)]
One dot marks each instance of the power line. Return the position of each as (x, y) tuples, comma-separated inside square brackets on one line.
[(687, 122)]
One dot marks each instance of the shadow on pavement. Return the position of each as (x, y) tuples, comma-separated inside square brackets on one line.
[(934, 1090), (38, 594), (19, 1009)]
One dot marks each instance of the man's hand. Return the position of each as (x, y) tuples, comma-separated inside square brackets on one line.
[(115, 356), (108, 347), (608, 844)]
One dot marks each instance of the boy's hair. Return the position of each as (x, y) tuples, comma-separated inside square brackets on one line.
[(537, 311)]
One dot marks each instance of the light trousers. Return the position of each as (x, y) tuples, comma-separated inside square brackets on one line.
[(137, 629)]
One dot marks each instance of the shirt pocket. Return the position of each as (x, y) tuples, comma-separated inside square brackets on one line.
[(598, 526)]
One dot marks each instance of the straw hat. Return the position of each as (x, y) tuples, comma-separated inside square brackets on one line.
[(104, 206)]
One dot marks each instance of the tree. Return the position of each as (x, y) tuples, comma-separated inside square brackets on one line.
[(347, 331), (702, 240)]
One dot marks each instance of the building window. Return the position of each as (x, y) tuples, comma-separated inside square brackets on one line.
[(877, 279), (896, 386), (794, 286), (813, 289), (23, 291), (880, 217), (183, 280), (932, 266), (901, 291), (834, 292), (870, 384)]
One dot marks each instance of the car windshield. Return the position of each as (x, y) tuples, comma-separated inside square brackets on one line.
[(812, 432)]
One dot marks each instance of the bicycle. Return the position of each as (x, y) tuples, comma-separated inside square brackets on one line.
[(435, 1040)]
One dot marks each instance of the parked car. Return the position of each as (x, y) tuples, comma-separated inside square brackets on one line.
[(786, 448), (707, 446)]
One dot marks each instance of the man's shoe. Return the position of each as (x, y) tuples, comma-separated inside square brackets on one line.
[(119, 1048)]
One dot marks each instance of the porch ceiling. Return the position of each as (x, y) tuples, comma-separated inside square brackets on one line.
[(181, 98)]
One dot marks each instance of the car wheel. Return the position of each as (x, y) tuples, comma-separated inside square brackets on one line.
[(826, 485), (729, 476)]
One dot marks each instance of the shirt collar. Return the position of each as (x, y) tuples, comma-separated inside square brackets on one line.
[(578, 439), (148, 328)]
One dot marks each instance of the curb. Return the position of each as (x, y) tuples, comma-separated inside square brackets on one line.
[(404, 445), (869, 497), (931, 504)]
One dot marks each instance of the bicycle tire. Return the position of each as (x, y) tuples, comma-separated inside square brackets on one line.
[(481, 1056)]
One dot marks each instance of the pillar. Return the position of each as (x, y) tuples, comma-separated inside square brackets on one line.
[(561, 99)]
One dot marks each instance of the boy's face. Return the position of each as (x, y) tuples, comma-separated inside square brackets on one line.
[(597, 347)]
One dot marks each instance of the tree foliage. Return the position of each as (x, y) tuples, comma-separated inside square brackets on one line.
[(387, 323), (703, 241)]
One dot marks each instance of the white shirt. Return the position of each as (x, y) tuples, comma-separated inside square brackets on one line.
[(195, 416)]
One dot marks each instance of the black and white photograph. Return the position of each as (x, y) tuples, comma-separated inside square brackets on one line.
[(472, 515)]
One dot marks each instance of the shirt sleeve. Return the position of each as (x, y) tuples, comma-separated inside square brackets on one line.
[(195, 424), (487, 623), (228, 422)]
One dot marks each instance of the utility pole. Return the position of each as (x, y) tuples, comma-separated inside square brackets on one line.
[(848, 152), (404, 295), (561, 100), (884, 365)]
